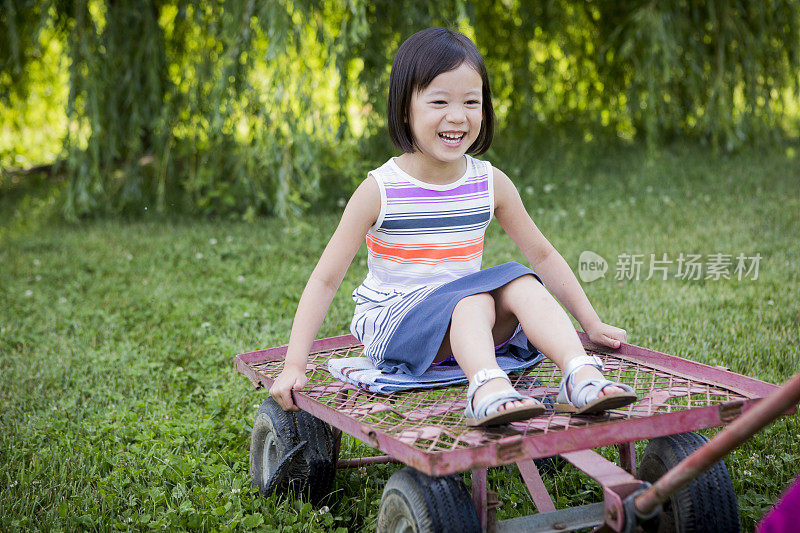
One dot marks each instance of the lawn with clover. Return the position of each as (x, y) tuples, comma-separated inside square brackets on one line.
[(121, 408)]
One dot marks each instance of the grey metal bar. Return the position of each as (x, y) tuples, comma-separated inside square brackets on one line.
[(580, 517), (364, 461)]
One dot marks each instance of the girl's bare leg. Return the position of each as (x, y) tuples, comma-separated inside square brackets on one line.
[(545, 324), (472, 337)]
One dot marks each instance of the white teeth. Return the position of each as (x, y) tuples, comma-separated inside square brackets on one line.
[(452, 136)]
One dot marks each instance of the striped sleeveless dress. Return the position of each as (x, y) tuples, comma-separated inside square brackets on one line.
[(424, 255)]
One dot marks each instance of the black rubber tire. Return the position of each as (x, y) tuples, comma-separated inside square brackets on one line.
[(708, 504), (415, 502), (550, 466), (275, 433)]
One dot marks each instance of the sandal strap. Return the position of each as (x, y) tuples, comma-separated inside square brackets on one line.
[(569, 375), (491, 402), (589, 390), (576, 362), (481, 377)]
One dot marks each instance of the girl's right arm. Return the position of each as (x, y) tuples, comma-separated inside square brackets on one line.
[(359, 215)]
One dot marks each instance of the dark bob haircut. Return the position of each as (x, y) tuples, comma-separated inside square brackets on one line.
[(421, 58)]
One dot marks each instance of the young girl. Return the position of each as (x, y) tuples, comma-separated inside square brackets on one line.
[(423, 215)]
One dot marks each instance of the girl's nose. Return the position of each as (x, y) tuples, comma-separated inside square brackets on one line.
[(456, 115)]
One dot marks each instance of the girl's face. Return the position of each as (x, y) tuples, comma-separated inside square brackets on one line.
[(446, 115)]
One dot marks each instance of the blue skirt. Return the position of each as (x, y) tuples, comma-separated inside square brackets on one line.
[(418, 337)]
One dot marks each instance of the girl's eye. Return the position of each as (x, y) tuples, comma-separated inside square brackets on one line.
[(474, 102), (439, 102)]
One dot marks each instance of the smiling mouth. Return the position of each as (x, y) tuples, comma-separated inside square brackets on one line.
[(452, 138)]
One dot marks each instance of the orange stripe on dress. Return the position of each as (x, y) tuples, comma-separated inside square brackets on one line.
[(409, 246), (426, 254)]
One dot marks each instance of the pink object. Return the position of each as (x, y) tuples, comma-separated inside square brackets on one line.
[(785, 516)]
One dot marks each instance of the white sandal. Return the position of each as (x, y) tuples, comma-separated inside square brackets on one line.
[(584, 397), (486, 412)]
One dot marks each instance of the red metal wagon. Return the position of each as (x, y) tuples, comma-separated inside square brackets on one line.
[(425, 430)]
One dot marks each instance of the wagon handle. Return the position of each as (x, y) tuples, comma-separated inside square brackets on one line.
[(765, 411)]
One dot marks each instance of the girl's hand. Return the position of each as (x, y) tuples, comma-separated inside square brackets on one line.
[(607, 335), (289, 379)]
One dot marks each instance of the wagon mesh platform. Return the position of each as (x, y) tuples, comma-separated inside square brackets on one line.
[(426, 428)]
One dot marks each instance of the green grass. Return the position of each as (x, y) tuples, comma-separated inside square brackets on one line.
[(120, 406)]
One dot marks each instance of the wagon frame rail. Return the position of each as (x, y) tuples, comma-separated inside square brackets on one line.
[(425, 429)]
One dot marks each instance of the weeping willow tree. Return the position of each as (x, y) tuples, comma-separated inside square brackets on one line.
[(250, 107)]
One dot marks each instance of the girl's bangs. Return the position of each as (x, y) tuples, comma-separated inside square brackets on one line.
[(447, 57)]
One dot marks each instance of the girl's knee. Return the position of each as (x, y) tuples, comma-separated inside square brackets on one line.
[(521, 291), (477, 303), (526, 282), (522, 285)]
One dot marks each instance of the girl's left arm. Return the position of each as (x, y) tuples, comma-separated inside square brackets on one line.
[(548, 263)]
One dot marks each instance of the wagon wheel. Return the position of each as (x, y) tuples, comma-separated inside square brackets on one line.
[(291, 452), (707, 504), (550, 466), (415, 502)]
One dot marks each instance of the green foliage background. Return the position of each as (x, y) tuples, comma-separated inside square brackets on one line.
[(245, 107)]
